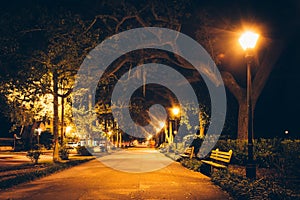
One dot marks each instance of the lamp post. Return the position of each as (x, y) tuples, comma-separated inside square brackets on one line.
[(39, 130), (248, 41), (175, 113)]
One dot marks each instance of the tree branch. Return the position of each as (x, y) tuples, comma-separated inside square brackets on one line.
[(265, 68), (233, 86)]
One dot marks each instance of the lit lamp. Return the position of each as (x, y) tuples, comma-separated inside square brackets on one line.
[(248, 41), (68, 129), (175, 112), (39, 130)]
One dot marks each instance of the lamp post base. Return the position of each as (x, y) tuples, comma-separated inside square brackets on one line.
[(251, 171)]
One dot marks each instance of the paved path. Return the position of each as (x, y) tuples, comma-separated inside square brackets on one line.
[(94, 180)]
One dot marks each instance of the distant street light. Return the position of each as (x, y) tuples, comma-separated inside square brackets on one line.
[(175, 111), (149, 137), (39, 130), (161, 125), (174, 117), (248, 41), (68, 129)]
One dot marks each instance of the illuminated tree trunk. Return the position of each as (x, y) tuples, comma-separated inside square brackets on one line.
[(242, 120), (55, 116), (62, 121)]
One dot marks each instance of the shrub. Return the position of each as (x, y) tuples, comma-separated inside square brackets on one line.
[(243, 188), (34, 154), (192, 164), (282, 155), (64, 153)]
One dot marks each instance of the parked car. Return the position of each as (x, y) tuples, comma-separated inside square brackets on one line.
[(72, 145), (102, 145)]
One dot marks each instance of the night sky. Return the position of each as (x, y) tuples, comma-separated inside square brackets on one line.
[(278, 107)]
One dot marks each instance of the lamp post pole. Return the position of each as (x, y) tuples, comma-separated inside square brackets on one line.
[(248, 41), (39, 130), (175, 112), (251, 167)]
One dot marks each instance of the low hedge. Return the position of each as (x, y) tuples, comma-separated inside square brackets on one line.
[(279, 154), (50, 169), (192, 164), (240, 187)]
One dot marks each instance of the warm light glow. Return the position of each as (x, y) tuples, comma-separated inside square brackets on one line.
[(149, 137), (68, 129), (109, 133), (175, 111), (286, 132), (248, 40), (161, 125), (39, 131)]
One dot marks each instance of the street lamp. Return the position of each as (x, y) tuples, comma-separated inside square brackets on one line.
[(68, 129), (175, 115), (39, 130), (248, 41), (175, 111)]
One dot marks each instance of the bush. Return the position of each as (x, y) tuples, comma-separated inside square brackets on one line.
[(192, 164), (83, 151), (64, 153), (282, 155), (34, 154), (243, 188)]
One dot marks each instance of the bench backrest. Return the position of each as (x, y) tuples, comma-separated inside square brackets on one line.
[(189, 150), (222, 156)]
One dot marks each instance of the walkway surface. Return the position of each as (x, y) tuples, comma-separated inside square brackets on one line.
[(94, 180)]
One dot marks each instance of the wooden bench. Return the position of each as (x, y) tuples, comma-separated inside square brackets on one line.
[(188, 153), (218, 159), (6, 148)]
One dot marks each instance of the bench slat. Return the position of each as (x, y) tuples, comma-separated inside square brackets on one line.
[(188, 152), (213, 164), (220, 159), (219, 156)]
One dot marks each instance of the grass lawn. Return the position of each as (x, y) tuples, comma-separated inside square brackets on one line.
[(10, 176)]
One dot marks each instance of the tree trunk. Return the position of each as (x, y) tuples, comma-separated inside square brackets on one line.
[(271, 54), (62, 122), (55, 117), (242, 120)]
